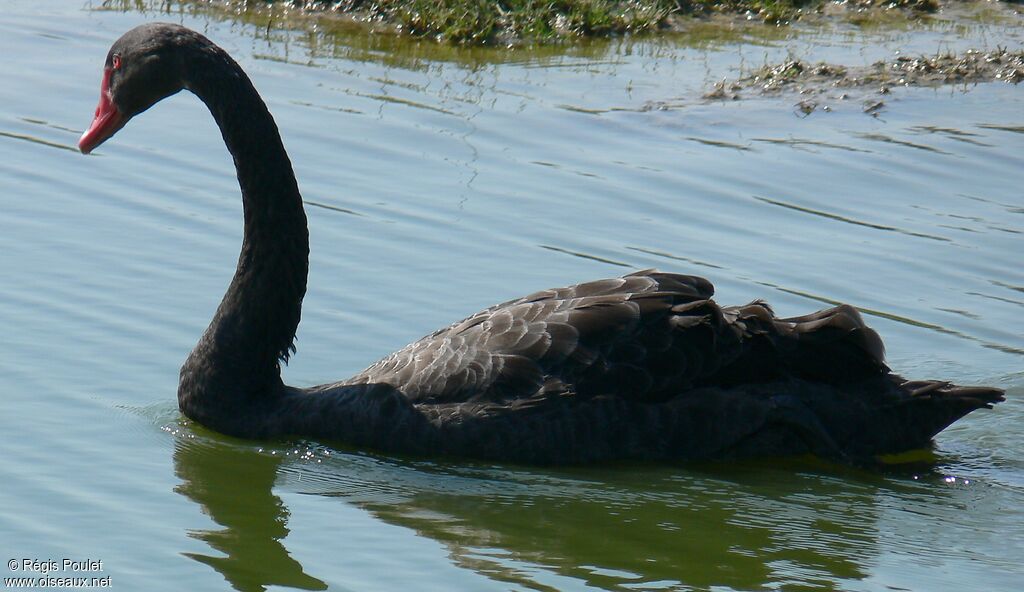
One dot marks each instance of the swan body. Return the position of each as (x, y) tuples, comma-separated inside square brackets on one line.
[(644, 366)]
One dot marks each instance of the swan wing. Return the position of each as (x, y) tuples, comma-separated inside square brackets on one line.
[(645, 336)]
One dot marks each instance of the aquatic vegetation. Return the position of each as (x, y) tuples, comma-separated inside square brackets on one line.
[(483, 21), (509, 21), (972, 66)]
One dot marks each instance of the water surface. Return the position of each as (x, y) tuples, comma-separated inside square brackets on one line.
[(437, 182)]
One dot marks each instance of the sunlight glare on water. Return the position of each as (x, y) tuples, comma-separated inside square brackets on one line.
[(438, 181)]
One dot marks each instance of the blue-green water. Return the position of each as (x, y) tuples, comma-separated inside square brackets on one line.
[(439, 181)]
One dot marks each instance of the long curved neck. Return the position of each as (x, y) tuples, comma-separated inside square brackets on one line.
[(237, 360)]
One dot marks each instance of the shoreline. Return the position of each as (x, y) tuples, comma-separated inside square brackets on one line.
[(813, 81), (518, 22)]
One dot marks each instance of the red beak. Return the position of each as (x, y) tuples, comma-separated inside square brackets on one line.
[(106, 122)]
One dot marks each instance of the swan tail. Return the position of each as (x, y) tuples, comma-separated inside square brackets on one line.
[(891, 415), (931, 406), (849, 423)]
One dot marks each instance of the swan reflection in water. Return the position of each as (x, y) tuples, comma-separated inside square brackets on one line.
[(740, 526), (234, 487)]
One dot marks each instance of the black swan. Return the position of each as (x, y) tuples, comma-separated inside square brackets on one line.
[(644, 366)]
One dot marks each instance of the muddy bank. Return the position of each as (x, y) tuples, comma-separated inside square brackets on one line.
[(872, 83)]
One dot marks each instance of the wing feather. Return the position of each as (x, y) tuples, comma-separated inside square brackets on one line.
[(646, 336)]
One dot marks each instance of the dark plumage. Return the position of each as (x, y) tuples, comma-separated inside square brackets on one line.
[(643, 366)]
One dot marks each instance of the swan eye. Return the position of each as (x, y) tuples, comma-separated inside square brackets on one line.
[(115, 62)]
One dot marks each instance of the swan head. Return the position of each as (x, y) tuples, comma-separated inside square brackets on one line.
[(143, 67)]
